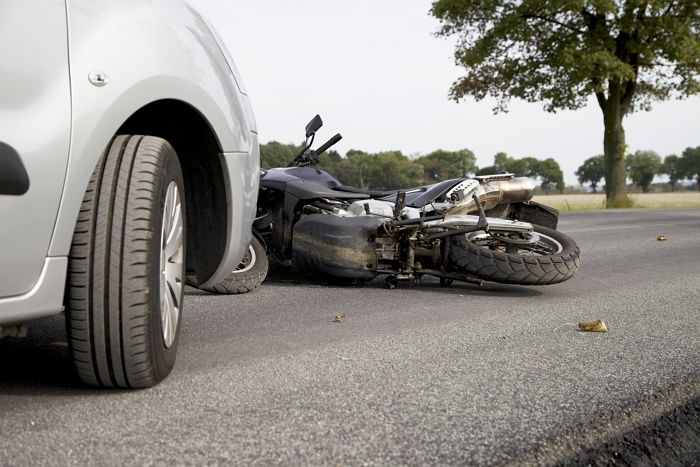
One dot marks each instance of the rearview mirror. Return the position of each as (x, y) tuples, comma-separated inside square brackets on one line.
[(314, 125)]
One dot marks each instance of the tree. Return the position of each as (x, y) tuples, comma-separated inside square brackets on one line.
[(551, 176), (643, 165), (624, 52), (386, 170), (672, 168), (548, 171), (329, 161), (690, 164), (525, 167), (592, 170), (443, 165), (274, 154), (488, 170), (392, 170), (353, 169)]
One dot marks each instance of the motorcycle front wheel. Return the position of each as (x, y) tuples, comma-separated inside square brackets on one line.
[(549, 258), (246, 277)]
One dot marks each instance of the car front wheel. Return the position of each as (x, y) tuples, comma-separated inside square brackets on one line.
[(126, 266)]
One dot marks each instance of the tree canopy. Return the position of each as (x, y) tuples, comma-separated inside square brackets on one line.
[(591, 171), (672, 168), (392, 169), (643, 165), (690, 164), (626, 53), (547, 171), (443, 165), (274, 154)]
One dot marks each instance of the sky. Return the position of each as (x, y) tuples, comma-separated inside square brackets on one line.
[(376, 73)]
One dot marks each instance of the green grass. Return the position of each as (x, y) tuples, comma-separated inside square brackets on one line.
[(587, 202)]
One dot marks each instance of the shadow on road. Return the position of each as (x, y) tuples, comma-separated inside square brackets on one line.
[(428, 284), (39, 364)]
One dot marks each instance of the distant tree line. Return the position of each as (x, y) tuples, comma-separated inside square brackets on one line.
[(389, 170), (642, 166)]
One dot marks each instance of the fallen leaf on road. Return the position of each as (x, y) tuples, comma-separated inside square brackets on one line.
[(346, 359), (589, 326), (661, 238), (593, 326), (340, 318)]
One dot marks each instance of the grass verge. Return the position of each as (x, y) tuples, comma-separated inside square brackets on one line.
[(587, 202)]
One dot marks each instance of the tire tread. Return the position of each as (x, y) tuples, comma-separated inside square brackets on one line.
[(110, 273), (506, 268)]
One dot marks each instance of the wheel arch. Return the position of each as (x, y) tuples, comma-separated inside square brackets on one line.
[(198, 150)]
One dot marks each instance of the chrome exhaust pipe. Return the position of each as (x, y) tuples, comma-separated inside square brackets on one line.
[(491, 193)]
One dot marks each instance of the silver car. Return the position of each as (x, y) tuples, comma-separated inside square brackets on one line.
[(128, 160)]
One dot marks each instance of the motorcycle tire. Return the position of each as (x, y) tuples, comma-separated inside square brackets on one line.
[(523, 267), (246, 277)]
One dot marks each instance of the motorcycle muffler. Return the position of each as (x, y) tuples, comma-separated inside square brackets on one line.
[(491, 191)]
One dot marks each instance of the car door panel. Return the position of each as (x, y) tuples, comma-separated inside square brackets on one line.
[(35, 121)]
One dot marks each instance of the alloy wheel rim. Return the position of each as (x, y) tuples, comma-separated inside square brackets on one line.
[(247, 262), (539, 245), (171, 262)]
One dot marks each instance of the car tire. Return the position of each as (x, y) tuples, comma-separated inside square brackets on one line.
[(126, 266), (249, 274)]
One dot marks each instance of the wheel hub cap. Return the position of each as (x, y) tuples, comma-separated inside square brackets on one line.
[(171, 264)]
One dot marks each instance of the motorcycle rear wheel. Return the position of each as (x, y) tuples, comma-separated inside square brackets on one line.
[(552, 259)]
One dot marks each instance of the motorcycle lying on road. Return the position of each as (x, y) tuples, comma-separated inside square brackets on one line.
[(484, 228)]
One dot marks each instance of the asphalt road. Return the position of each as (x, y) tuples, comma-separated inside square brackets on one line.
[(416, 375)]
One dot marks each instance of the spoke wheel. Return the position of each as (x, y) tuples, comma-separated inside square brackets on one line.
[(548, 257), (248, 261), (247, 276), (539, 244)]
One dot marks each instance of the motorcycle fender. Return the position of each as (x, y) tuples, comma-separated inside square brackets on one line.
[(535, 213), (337, 246)]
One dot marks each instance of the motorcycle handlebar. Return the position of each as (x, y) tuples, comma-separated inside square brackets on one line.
[(324, 147)]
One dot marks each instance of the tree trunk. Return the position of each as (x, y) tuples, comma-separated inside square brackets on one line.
[(614, 148)]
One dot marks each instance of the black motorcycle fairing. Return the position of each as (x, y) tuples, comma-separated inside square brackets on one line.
[(424, 195), (337, 246), (535, 213), (305, 190), (306, 183), (314, 175), (309, 183), (371, 193), (288, 174)]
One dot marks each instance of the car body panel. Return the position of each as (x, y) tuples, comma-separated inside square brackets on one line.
[(193, 69), (35, 120), (242, 178), (147, 51), (44, 299)]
